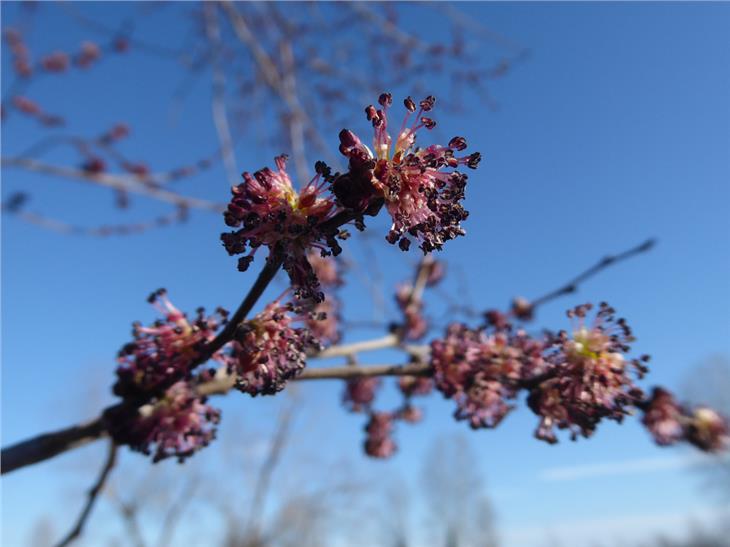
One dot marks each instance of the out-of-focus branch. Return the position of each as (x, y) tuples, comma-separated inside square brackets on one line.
[(93, 495), (344, 350), (369, 371), (172, 516), (271, 75), (180, 215), (49, 445), (218, 99), (609, 260), (263, 481), (116, 182)]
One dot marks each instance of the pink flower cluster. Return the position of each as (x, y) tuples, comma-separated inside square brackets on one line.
[(669, 423), (177, 425), (590, 377), (422, 196), (268, 211), (482, 369), (165, 352), (269, 350), (359, 396)]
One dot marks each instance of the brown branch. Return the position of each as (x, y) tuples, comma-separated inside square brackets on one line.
[(349, 371), (121, 183), (48, 445), (93, 495), (263, 481), (344, 350), (609, 260), (218, 96), (61, 227)]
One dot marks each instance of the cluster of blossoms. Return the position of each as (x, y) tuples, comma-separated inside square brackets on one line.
[(157, 369), (414, 324), (420, 192), (589, 376), (268, 350), (178, 424), (160, 370), (573, 380), (166, 351), (268, 211), (669, 423), (482, 369), (359, 396)]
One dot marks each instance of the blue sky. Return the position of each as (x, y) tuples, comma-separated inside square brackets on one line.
[(615, 128)]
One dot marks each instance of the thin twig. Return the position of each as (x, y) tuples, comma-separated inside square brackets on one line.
[(387, 341), (572, 285), (261, 489), (218, 96), (116, 182), (349, 371), (93, 495)]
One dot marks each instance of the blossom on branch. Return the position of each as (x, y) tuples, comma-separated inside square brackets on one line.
[(414, 324), (268, 211), (589, 377), (177, 424), (378, 441), (481, 370), (669, 422), (421, 193), (268, 350), (360, 393), (166, 351)]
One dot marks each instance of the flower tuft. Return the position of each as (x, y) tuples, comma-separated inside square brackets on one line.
[(378, 441), (589, 377), (177, 424), (421, 192), (268, 350), (166, 351), (360, 393), (268, 211)]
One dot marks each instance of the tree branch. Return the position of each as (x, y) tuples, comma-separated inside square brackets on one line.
[(116, 182), (93, 495)]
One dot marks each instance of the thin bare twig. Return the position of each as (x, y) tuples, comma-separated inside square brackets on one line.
[(218, 99), (116, 182), (263, 481), (609, 260), (387, 341), (93, 495)]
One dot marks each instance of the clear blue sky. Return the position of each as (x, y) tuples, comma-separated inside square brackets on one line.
[(615, 129)]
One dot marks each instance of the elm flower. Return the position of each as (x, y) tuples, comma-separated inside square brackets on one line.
[(669, 422), (421, 194), (409, 414), (481, 370), (414, 324), (178, 424), (663, 417), (166, 351), (378, 441), (588, 376), (708, 430), (268, 350), (360, 393), (411, 386), (269, 211)]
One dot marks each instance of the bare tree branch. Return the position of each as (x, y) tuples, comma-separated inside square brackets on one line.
[(93, 495)]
